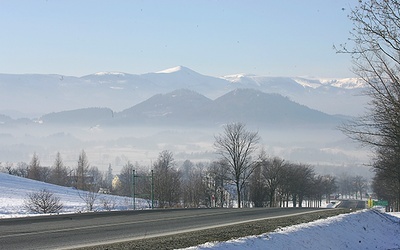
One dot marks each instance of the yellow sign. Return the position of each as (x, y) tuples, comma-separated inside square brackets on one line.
[(370, 202)]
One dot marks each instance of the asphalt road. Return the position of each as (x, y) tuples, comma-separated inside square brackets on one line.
[(77, 230)]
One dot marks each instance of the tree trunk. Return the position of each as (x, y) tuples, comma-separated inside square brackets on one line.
[(239, 200), (300, 201), (294, 200)]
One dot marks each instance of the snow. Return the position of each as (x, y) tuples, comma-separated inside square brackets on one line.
[(236, 77), (307, 82), (105, 73), (171, 70), (345, 83), (117, 88), (14, 191), (365, 229)]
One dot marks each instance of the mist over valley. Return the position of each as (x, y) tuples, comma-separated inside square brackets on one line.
[(119, 117)]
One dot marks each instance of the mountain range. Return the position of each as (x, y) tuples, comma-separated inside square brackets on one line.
[(118, 117), (33, 95), (185, 107)]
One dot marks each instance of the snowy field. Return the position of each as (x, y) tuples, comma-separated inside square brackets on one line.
[(366, 229), (14, 191)]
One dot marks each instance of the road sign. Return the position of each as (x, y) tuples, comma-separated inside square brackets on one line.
[(381, 203), (370, 202)]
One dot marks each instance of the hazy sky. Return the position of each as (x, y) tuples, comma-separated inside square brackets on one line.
[(263, 37)]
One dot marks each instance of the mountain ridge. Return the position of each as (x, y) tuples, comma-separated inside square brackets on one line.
[(118, 90), (185, 107)]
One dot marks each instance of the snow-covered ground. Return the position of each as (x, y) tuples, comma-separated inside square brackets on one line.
[(14, 192), (366, 229)]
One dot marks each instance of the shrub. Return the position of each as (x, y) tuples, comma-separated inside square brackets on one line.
[(43, 202)]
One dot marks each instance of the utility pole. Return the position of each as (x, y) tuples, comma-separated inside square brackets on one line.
[(152, 189), (133, 189), (134, 176)]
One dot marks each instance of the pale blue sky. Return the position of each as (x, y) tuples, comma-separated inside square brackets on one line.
[(212, 37)]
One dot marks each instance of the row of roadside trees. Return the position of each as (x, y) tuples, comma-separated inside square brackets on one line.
[(275, 182), (242, 173)]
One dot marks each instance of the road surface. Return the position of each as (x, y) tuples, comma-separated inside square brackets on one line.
[(355, 204), (77, 230)]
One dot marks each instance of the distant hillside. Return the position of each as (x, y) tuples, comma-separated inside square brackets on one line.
[(267, 109), (79, 116), (188, 108), (182, 106)]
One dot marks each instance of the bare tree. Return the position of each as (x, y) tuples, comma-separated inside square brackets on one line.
[(385, 182), (286, 186), (108, 203), (167, 181), (258, 192), (43, 202), (92, 187), (194, 189), (9, 168), (81, 171), (96, 178), (316, 191), (108, 178), (59, 173), (34, 168), (186, 183), (329, 186), (360, 185), (346, 186), (144, 184), (235, 147), (125, 180), (22, 169), (383, 186), (89, 197), (300, 182), (216, 178), (272, 171), (376, 57)]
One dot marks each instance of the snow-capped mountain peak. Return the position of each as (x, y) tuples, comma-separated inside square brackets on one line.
[(308, 83), (236, 77), (175, 70), (345, 83)]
